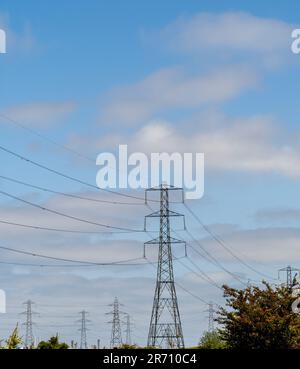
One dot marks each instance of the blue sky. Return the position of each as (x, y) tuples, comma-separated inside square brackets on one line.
[(207, 77)]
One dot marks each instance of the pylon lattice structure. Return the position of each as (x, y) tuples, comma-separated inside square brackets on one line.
[(83, 329), (29, 338), (165, 329), (128, 329), (289, 275), (116, 332), (211, 311)]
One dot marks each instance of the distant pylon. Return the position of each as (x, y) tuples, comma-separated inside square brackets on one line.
[(116, 333), (211, 311), (83, 329), (128, 329), (165, 326), (289, 276), (29, 338)]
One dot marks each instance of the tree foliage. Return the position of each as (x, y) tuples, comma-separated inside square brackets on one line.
[(259, 318), (52, 344), (14, 340), (211, 340), (129, 347)]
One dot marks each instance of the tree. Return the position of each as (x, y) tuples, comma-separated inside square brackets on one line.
[(52, 344), (259, 318), (211, 340), (14, 340), (128, 347)]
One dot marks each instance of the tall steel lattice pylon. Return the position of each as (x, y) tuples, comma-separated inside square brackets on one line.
[(289, 275), (83, 329), (128, 329), (116, 333), (165, 329), (211, 320), (29, 338)]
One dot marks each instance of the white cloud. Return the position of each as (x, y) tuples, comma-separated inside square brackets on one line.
[(277, 216), (250, 145), (40, 114), (173, 89), (269, 246), (229, 32)]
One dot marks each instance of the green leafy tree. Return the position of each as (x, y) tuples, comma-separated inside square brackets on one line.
[(211, 340), (52, 344), (259, 318)]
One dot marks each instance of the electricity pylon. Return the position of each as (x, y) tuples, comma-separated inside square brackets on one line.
[(165, 326), (211, 311), (128, 329), (116, 333), (83, 329), (289, 277), (29, 338)]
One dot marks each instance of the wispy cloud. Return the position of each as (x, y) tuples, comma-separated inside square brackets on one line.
[(277, 216), (263, 245), (41, 114), (257, 144), (174, 89), (227, 32)]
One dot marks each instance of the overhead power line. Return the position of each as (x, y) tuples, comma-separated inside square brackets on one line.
[(223, 245), (66, 194), (204, 276), (46, 138), (60, 229), (66, 215), (214, 260), (54, 171), (127, 262), (191, 293), (119, 262), (210, 258), (183, 288), (66, 265)]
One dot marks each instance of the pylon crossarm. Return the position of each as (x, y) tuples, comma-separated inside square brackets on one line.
[(156, 241)]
